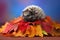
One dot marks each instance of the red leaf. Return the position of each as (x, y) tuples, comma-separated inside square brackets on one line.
[(47, 27), (8, 28)]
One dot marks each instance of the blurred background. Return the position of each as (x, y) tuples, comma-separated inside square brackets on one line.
[(10, 9)]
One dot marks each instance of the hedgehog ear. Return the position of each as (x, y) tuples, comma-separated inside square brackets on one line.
[(42, 15)]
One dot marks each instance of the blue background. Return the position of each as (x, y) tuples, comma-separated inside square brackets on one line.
[(50, 7)]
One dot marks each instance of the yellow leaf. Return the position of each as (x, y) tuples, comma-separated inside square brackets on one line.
[(45, 33), (3, 27), (39, 30), (32, 31), (18, 34)]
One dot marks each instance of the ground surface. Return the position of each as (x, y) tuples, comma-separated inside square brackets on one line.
[(27, 38)]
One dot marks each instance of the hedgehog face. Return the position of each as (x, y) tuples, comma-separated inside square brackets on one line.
[(30, 16), (32, 13)]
